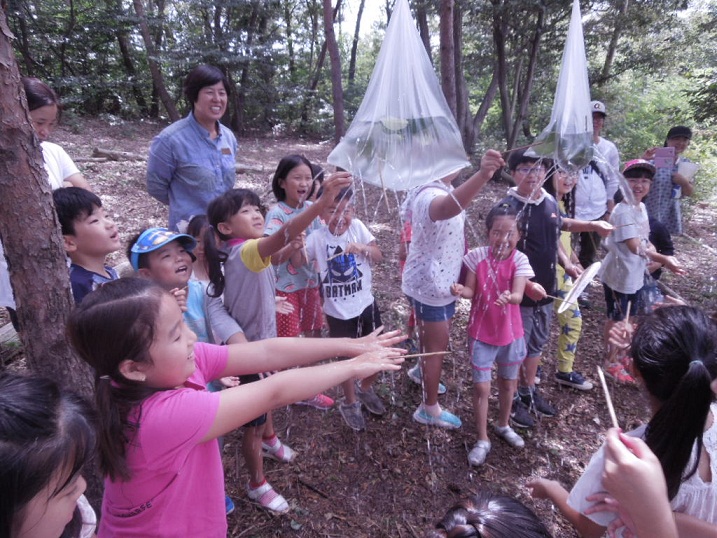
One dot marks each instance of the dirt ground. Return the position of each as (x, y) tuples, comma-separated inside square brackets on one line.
[(398, 477)]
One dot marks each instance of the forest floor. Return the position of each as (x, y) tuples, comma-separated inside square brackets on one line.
[(397, 478)]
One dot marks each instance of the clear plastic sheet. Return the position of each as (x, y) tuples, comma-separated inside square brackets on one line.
[(568, 138), (404, 134)]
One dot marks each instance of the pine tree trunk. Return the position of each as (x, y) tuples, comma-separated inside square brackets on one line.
[(34, 247)]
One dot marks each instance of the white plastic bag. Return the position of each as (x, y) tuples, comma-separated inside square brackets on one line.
[(568, 138), (403, 134)]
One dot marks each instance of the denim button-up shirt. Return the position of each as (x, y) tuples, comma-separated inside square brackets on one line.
[(187, 169)]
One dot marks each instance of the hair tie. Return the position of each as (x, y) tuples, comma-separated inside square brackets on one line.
[(105, 378), (696, 362)]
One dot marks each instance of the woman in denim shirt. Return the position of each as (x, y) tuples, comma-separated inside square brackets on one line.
[(193, 161)]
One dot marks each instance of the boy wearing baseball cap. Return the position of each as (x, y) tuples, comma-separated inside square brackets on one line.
[(166, 257)]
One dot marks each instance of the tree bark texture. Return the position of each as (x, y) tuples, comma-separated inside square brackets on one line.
[(30, 233), (334, 55), (448, 73)]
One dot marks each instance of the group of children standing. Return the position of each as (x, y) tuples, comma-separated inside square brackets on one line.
[(158, 425)]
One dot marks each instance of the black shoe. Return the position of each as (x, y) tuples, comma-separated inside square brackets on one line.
[(537, 404), (584, 301), (520, 416), (574, 380)]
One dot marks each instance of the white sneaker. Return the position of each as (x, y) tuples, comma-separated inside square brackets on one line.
[(478, 454), (509, 436)]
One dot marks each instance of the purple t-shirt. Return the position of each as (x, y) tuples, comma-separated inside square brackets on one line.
[(177, 484)]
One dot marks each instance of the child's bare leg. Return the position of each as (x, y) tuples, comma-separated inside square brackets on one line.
[(368, 381), (269, 426), (434, 336), (481, 393), (506, 390), (610, 350), (251, 450), (529, 370), (349, 391)]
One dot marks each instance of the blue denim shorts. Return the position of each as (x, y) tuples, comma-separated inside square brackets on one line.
[(426, 312), (508, 359)]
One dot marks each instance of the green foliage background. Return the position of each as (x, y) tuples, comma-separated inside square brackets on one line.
[(663, 71)]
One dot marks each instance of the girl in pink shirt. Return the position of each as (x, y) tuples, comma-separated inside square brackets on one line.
[(495, 282), (159, 425)]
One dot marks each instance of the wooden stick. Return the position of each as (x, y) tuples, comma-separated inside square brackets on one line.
[(608, 399), (335, 256), (425, 354), (559, 299), (627, 315)]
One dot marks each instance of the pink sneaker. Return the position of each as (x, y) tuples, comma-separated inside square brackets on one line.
[(617, 373), (320, 401)]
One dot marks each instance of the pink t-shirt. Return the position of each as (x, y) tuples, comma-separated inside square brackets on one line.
[(177, 484), (489, 323)]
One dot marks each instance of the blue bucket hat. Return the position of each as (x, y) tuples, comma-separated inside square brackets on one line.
[(153, 238)]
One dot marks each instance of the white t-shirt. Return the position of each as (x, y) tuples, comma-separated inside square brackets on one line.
[(345, 279), (436, 251), (695, 497), (591, 192), (622, 270), (58, 164)]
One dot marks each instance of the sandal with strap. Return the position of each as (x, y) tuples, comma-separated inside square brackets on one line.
[(267, 497)]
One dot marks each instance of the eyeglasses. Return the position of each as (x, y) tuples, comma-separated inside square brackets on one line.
[(530, 170)]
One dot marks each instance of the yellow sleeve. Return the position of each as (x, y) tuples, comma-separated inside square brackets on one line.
[(250, 256)]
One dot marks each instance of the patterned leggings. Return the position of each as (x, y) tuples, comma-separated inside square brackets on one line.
[(570, 323)]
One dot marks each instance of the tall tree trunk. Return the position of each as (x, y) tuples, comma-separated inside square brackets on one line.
[(354, 44), (448, 72), (476, 126), (38, 273), (237, 122), (288, 21), (154, 67), (423, 30), (612, 47), (527, 85), (499, 32), (336, 86), (462, 111), (126, 54)]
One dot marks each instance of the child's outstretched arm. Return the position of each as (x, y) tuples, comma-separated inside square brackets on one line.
[(601, 227), (446, 207), (280, 353), (542, 488), (273, 243), (243, 403), (669, 262)]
